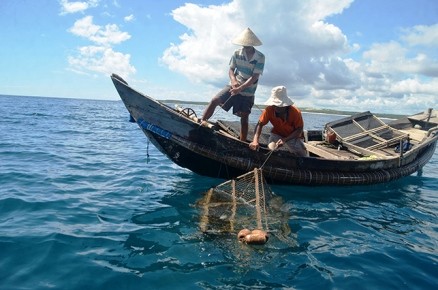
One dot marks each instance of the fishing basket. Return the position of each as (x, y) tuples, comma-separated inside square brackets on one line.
[(241, 204)]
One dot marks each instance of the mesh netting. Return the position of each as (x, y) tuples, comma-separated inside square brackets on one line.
[(365, 131), (244, 202)]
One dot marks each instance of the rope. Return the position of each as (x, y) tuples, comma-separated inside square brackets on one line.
[(257, 195), (215, 111), (255, 105), (269, 155)]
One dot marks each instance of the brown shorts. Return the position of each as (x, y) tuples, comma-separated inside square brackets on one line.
[(240, 104)]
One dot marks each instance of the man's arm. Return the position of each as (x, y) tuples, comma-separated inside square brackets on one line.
[(294, 135), (232, 76), (254, 145), (237, 89)]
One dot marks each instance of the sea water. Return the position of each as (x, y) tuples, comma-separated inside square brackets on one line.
[(86, 202)]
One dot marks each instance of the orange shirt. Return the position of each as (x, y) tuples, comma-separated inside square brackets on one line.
[(280, 126)]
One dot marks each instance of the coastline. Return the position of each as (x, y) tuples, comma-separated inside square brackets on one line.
[(303, 109)]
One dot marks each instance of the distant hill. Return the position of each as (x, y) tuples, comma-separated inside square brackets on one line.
[(308, 110)]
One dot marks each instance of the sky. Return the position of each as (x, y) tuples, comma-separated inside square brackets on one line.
[(353, 55)]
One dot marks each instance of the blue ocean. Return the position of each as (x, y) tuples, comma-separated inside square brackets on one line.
[(86, 202)]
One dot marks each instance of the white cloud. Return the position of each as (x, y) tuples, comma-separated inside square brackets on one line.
[(422, 35), (309, 55), (129, 18), (297, 35), (110, 34), (207, 48), (392, 58), (76, 6), (101, 57)]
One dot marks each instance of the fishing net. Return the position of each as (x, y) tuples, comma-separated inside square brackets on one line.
[(246, 202)]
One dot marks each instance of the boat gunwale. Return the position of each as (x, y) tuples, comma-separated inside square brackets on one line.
[(228, 160)]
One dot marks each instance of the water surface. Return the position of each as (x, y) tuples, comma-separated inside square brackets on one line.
[(86, 202)]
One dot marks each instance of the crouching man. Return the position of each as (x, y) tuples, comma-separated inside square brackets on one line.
[(287, 123)]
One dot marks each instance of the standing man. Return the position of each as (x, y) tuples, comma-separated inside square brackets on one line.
[(287, 123), (246, 65)]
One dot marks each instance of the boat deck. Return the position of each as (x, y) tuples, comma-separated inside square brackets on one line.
[(359, 137), (341, 149)]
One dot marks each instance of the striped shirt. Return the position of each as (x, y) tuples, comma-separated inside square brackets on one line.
[(244, 68)]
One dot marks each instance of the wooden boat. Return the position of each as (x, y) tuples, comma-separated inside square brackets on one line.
[(361, 149)]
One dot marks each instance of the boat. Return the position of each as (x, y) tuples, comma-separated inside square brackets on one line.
[(355, 150)]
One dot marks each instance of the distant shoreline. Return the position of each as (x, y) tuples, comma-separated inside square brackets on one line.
[(303, 109)]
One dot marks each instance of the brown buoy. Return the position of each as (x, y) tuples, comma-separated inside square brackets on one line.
[(242, 234), (254, 237)]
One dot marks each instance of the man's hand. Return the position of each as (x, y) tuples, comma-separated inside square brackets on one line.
[(279, 143), (254, 145), (234, 83), (235, 90)]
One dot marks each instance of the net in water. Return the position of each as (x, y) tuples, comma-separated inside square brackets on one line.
[(246, 202)]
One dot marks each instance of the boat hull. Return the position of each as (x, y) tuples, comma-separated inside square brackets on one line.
[(229, 166), (210, 152)]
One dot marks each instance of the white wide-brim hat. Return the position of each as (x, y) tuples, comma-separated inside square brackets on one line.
[(279, 97), (247, 38)]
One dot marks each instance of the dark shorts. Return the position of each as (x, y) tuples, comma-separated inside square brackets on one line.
[(240, 104)]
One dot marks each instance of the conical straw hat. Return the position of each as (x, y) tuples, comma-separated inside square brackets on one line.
[(247, 38)]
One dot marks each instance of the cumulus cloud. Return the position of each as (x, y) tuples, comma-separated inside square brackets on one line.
[(100, 57), (204, 53), (391, 58), (422, 35), (309, 55), (90, 59), (401, 74), (301, 48), (129, 18), (76, 6), (110, 34)]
